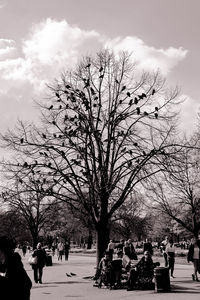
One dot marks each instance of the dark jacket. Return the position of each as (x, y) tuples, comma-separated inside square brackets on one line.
[(16, 284), (191, 252), (148, 247), (41, 257)]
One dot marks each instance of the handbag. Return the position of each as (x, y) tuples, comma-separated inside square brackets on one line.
[(33, 260)]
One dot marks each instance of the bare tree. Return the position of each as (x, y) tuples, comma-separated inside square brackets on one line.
[(176, 191), (28, 198), (104, 128)]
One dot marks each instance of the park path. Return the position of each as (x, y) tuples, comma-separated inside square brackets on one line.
[(58, 286)]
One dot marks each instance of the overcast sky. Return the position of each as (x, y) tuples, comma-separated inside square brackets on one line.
[(41, 38)]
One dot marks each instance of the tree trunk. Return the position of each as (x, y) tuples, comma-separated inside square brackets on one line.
[(102, 233), (89, 240)]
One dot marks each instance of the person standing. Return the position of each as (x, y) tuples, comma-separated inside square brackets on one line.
[(41, 262), (66, 250), (60, 249), (132, 252), (14, 281), (170, 251), (24, 248), (110, 249), (164, 245), (148, 246), (194, 257)]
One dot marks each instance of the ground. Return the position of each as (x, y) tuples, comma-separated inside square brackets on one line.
[(58, 286)]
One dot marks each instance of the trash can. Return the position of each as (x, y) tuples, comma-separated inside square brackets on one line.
[(49, 260), (162, 280)]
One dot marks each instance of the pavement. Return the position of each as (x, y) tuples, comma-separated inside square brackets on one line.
[(58, 286)]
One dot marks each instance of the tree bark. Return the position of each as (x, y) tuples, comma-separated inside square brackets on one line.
[(102, 233)]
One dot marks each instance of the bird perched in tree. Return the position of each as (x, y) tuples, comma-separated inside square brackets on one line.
[(22, 140), (153, 91), (101, 69), (138, 110)]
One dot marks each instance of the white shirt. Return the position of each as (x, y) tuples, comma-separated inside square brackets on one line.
[(196, 252)]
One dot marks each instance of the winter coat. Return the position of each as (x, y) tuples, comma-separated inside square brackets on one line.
[(16, 284), (41, 258)]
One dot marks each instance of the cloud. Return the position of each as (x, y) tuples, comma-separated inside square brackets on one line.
[(52, 46), (7, 49), (148, 58)]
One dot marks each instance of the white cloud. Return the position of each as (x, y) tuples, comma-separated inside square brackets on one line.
[(53, 46), (148, 58), (7, 49)]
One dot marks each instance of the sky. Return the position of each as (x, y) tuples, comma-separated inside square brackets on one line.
[(39, 39)]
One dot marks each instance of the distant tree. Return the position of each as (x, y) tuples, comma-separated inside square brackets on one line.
[(28, 197), (18, 231), (175, 193), (103, 131)]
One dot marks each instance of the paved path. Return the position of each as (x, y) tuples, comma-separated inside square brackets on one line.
[(57, 286)]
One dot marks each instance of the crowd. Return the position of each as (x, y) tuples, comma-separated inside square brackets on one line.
[(119, 265), (120, 260)]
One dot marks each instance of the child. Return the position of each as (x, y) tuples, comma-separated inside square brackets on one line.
[(170, 250)]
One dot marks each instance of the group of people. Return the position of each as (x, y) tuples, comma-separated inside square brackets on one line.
[(120, 260)]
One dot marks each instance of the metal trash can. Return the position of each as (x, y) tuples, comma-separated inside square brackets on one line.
[(162, 280), (49, 260)]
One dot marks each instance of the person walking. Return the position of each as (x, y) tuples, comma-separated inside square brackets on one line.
[(170, 251), (14, 281), (194, 257), (41, 262), (24, 248), (66, 250), (60, 249)]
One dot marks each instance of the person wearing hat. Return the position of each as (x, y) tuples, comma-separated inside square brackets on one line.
[(14, 281)]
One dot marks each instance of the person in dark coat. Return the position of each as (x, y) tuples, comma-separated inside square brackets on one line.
[(129, 250), (41, 262), (148, 246), (67, 250), (194, 257), (14, 281)]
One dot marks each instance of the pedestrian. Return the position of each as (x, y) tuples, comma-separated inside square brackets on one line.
[(120, 245), (194, 257), (60, 249), (170, 250), (148, 246), (130, 252), (41, 262), (110, 249), (67, 250), (14, 281), (24, 248), (164, 245)]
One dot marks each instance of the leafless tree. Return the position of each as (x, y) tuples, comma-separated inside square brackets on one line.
[(176, 191), (104, 128)]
